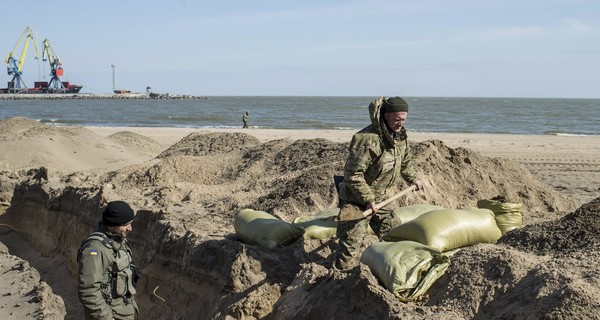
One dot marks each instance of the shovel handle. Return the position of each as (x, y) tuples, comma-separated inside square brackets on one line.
[(382, 204)]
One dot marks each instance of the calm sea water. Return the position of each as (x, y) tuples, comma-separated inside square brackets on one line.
[(427, 114)]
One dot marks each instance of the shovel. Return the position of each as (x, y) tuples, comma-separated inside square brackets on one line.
[(382, 204), (356, 215)]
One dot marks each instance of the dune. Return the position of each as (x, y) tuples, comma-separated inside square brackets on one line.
[(187, 186)]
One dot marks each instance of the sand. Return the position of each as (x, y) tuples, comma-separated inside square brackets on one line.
[(187, 186), (568, 163)]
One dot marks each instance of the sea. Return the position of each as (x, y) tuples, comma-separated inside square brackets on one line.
[(532, 116)]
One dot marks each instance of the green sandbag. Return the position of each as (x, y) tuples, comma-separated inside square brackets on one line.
[(259, 227), (407, 213), (508, 215), (405, 268), (320, 215), (322, 225), (449, 229), (319, 226)]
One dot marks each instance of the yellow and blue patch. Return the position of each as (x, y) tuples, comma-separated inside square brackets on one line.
[(93, 252)]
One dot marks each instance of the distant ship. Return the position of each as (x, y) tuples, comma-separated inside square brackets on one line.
[(42, 87)]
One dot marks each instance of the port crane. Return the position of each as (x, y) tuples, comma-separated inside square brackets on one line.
[(56, 69), (15, 65)]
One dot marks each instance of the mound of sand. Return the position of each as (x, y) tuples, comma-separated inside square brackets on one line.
[(541, 271), (195, 267), (133, 141), (197, 144), (574, 233), (69, 149), (23, 294)]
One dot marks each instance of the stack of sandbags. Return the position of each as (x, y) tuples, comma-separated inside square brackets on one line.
[(405, 268), (259, 227), (448, 229), (508, 215)]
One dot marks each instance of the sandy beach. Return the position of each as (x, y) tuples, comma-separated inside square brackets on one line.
[(187, 186), (569, 163)]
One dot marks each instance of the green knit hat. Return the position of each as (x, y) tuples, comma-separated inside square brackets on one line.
[(395, 104)]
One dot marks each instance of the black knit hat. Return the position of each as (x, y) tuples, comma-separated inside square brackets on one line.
[(395, 104), (117, 213)]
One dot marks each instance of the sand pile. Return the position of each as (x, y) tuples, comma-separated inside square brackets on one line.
[(547, 270), (183, 237), (23, 294), (576, 232)]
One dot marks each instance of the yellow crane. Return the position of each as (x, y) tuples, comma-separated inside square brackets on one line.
[(15, 65), (56, 69)]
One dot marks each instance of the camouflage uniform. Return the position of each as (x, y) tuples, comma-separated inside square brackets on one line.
[(376, 158), (106, 284)]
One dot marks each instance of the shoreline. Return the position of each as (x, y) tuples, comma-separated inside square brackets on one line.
[(483, 142)]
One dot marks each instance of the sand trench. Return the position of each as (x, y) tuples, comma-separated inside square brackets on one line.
[(187, 197)]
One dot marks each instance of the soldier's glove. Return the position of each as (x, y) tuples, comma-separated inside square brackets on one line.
[(137, 274)]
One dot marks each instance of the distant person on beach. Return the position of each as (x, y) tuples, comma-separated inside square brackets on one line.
[(107, 276), (378, 155), (245, 119)]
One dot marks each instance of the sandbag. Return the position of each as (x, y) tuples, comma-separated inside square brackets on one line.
[(320, 215), (322, 225), (259, 227), (508, 215), (319, 226), (405, 268), (449, 229), (408, 213)]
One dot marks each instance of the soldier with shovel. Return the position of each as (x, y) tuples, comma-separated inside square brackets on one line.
[(378, 154)]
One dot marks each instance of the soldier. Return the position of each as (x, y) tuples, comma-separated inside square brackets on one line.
[(378, 154), (107, 275), (245, 119)]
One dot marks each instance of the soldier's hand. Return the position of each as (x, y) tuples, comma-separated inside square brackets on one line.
[(373, 207), (419, 184)]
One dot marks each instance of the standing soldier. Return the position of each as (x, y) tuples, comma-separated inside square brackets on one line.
[(245, 119), (378, 154), (107, 275)]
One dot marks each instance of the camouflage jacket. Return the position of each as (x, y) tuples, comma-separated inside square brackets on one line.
[(105, 280), (375, 159)]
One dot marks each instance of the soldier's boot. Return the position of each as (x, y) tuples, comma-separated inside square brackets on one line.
[(350, 235)]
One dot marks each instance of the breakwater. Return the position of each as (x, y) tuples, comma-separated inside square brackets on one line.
[(93, 96)]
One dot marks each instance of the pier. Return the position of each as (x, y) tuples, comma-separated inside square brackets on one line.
[(90, 96)]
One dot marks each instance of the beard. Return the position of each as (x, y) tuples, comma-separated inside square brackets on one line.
[(118, 235), (122, 234)]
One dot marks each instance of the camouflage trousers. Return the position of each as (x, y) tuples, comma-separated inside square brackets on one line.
[(351, 233)]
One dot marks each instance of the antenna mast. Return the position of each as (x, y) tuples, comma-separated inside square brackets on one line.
[(113, 76)]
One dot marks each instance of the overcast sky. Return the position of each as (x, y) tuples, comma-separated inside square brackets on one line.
[(507, 48)]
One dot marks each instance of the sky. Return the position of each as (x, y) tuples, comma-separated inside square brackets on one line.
[(434, 48)]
